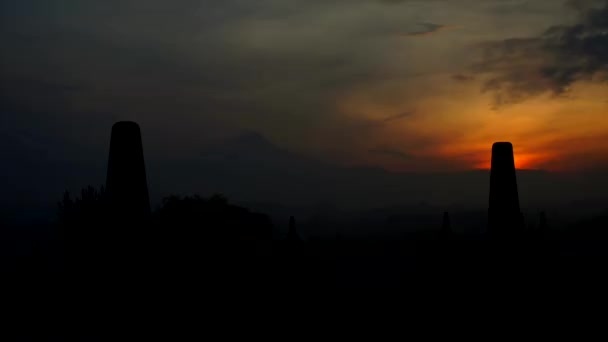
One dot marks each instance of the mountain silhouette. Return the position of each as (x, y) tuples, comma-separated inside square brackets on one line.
[(252, 147), (253, 169)]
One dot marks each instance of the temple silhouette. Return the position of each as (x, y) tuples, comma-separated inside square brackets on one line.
[(504, 215)]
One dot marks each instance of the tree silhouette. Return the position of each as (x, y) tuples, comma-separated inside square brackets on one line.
[(82, 224), (89, 207)]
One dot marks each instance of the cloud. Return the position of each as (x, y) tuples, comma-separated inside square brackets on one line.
[(184, 68), (391, 152), (396, 117), (427, 29), (552, 62), (583, 5), (462, 77)]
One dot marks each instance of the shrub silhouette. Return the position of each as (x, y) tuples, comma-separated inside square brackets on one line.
[(89, 207), (212, 219), (211, 240), (82, 225)]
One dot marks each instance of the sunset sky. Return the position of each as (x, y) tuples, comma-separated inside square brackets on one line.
[(424, 85)]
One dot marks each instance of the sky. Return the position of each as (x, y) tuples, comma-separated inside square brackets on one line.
[(405, 85)]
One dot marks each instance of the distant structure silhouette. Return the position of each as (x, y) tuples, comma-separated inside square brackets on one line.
[(542, 226), (446, 227), (292, 234), (126, 183), (504, 215)]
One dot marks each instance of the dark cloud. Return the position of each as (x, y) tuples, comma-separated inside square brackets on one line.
[(582, 5), (391, 152), (462, 77), (202, 63), (552, 62), (426, 29), (397, 117)]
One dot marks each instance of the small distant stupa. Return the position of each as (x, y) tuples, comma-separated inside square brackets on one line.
[(126, 182), (543, 226), (446, 226), (292, 234), (504, 215)]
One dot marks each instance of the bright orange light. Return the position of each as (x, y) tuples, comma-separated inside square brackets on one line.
[(528, 161)]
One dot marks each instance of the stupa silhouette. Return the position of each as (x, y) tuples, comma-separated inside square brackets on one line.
[(126, 182), (446, 226), (292, 234), (504, 215)]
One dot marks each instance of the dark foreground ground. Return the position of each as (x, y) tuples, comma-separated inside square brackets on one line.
[(80, 285), (36, 255)]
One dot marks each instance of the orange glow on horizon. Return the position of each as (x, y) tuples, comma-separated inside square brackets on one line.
[(454, 128), (523, 161)]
